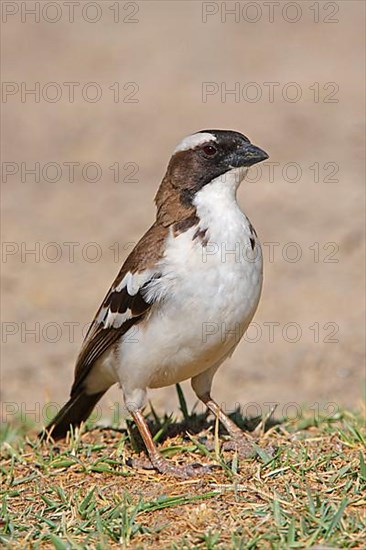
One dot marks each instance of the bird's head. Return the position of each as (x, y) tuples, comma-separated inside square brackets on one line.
[(208, 158), (204, 156)]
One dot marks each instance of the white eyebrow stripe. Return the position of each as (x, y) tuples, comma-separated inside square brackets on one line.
[(194, 140)]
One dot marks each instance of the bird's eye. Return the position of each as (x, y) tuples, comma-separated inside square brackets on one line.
[(209, 150)]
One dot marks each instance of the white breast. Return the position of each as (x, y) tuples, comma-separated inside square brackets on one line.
[(210, 294)]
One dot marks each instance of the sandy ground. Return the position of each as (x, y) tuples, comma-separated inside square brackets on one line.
[(314, 289)]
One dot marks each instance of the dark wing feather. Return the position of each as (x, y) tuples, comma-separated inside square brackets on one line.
[(102, 334), (121, 308), (105, 330)]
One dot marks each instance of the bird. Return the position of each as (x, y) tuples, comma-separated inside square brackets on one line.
[(184, 296)]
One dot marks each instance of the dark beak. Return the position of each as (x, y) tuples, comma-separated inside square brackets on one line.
[(248, 155)]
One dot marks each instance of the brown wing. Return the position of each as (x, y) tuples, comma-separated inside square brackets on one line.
[(125, 304)]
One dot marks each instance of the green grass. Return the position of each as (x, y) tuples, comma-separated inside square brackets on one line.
[(305, 486)]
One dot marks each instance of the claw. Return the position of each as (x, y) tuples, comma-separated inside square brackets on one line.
[(241, 446), (163, 466)]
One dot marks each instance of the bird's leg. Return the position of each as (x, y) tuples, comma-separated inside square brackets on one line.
[(160, 463), (241, 441)]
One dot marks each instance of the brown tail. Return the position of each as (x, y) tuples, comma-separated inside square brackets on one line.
[(76, 410)]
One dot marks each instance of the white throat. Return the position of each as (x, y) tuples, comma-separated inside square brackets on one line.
[(220, 193), (217, 207)]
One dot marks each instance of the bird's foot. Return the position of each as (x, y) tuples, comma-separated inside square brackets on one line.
[(182, 471), (242, 445), (164, 466), (247, 447)]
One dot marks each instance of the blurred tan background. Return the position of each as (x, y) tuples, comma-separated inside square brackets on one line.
[(161, 54)]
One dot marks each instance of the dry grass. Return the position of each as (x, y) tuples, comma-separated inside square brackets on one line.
[(304, 486)]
